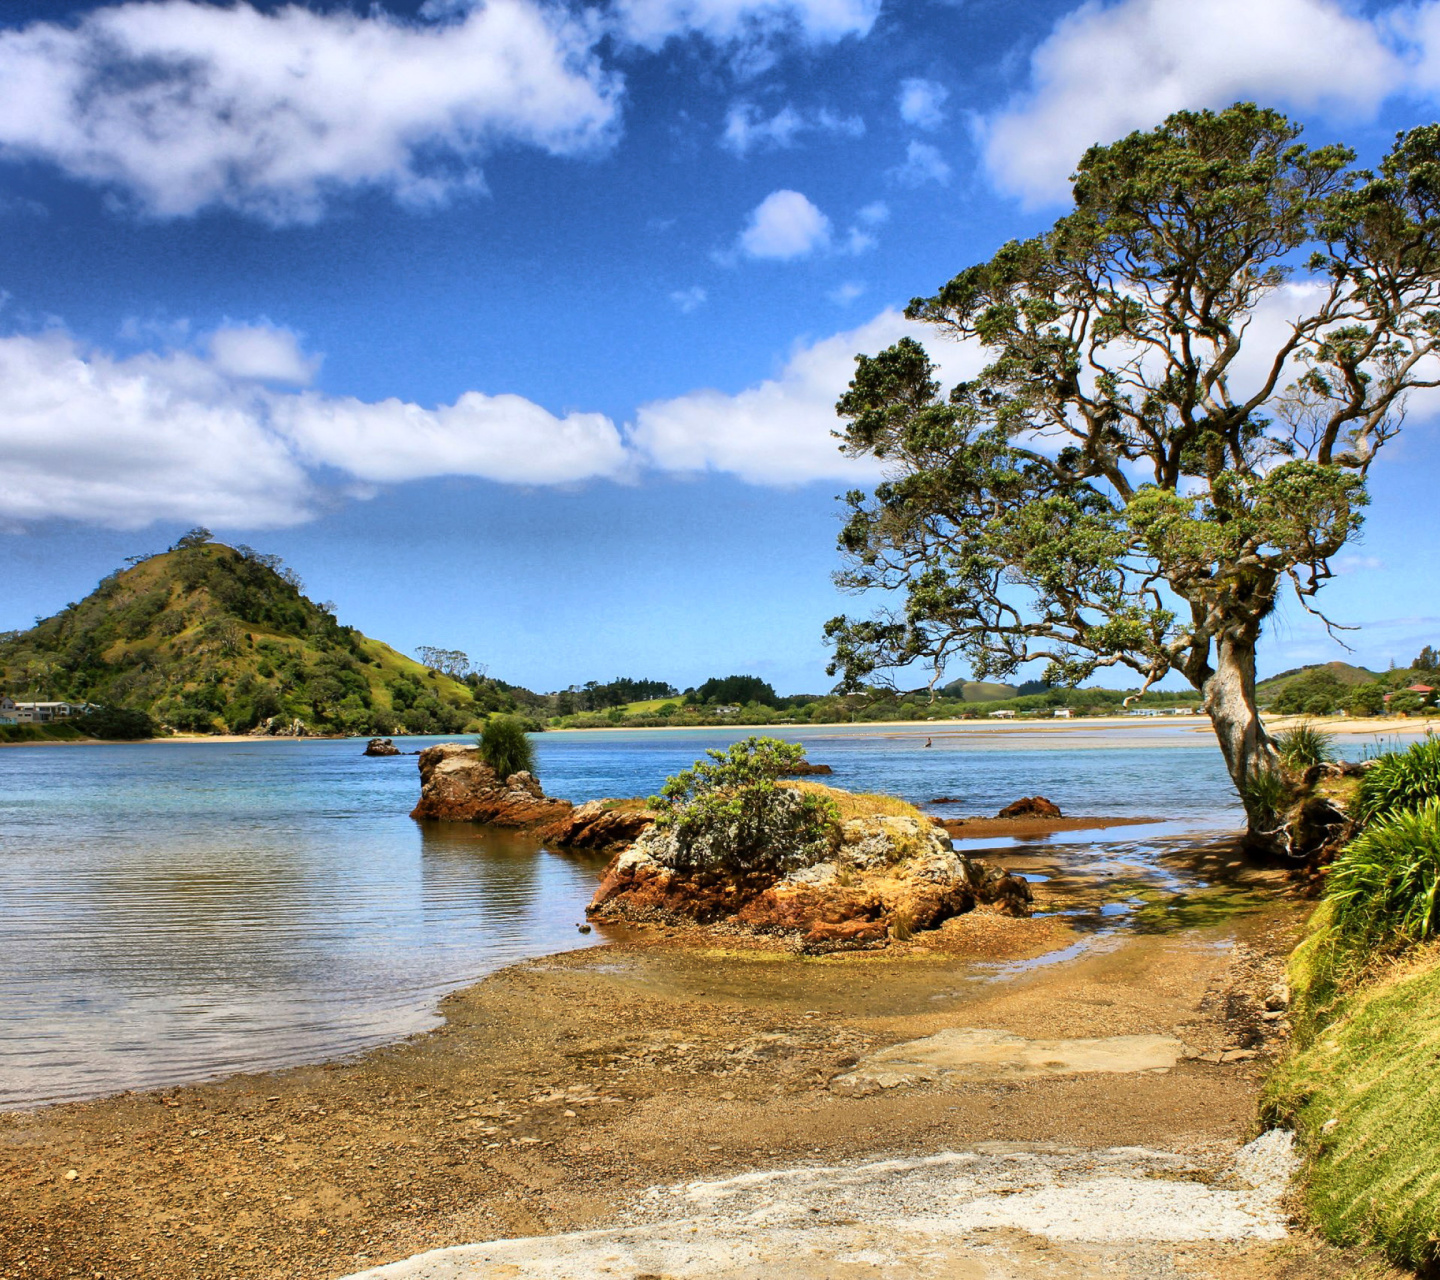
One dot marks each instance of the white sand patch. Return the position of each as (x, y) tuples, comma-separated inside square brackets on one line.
[(943, 1215)]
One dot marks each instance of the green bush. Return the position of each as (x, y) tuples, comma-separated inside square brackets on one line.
[(729, 815), (505, 747), (1400, 780), (1385, 886), (117, 724), (1303, 746)]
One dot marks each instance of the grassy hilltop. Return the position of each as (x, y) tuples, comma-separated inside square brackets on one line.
[(207, 638)]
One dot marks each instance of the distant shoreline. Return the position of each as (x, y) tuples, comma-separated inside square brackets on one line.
[(1348, 727)]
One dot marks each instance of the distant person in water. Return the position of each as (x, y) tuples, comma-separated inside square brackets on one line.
[(927, 742)]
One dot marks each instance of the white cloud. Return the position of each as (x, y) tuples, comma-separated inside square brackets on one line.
[(690, 299), (180, 105), (746, 22), (873, 214), (124, 442), (263, 353), (505, 438), (746, 129), (784, 225), (922, 103), (923, 163), (846, 293), (185, 437), (778, 431), (1105, 71)]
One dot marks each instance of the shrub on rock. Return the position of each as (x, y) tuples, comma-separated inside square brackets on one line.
[(728, 815), (505, 746)]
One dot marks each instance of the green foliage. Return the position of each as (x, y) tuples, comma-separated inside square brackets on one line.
[(505, 747), (1385, 886), (1316, 692), (1303, 746), (1111, 462), (727, 813), (1400, 780), (117, 723), (208, 637), (734, 690)]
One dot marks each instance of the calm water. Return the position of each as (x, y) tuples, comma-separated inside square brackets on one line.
[(171, 912)]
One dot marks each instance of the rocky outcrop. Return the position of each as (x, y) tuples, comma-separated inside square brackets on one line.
[(1031, 807), (1009, 894), (887, 874), (806, 770), (603, 825), (381, 747), (456, 785)]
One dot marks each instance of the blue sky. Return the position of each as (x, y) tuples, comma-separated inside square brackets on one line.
[(517, 327)]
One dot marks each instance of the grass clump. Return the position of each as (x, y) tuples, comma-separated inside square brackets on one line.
[(1364, 1096), (1303, 746), (859, 804), (1401, 780), (505, 746), (1385, 886)]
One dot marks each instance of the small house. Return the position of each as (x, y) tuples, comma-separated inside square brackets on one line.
[(1062, 713), (1002, 715)]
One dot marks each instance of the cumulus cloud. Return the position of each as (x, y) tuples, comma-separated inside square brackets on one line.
[(208, 438), (784, 225), (923, 163), (263, 353), (1105, 71), (922, 103), (779, 431), (746, 23), (748, 129), (179, 105)]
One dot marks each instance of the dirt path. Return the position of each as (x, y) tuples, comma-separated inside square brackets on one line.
[(562, 1092)]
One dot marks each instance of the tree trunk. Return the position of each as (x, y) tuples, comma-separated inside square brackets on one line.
[(1248, 750)]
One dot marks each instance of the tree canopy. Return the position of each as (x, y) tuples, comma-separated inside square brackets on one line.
[(1187, 379)]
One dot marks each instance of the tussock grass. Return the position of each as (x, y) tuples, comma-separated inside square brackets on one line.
[(1374, 1070), (1385, 886), (1303, 746), (1401, 780), (858, 804)]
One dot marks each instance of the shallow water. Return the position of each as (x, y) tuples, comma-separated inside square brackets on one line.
[(170, 912)]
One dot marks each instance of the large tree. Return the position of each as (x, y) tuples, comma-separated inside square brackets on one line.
[(1188, 378)]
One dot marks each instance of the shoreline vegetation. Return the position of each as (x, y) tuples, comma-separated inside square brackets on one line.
[(1381, 727), (215, 641)]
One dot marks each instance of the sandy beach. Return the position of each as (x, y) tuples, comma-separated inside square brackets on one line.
[(559, 1090)]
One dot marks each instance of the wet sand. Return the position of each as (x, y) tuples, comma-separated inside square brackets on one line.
[(561, 1087)]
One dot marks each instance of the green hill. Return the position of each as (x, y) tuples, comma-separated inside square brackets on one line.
[(1343, 673), (207, 638)]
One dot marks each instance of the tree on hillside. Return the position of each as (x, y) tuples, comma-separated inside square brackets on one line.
[(739, 690), (1189, 376), (1428, 660)]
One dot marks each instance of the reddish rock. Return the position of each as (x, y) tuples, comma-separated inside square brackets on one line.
[(884, 869), (804, 770), (381, 747), (1031, 807), (600, 825), (456, 785)]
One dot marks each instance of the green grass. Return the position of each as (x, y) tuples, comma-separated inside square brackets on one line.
[(59, 732), (1385, 886), (1303, 746), (1401, 780), (1374, 1069)]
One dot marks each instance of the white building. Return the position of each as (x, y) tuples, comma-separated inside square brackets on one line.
[(1002, 715), (12, 712), (1063, 713)]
